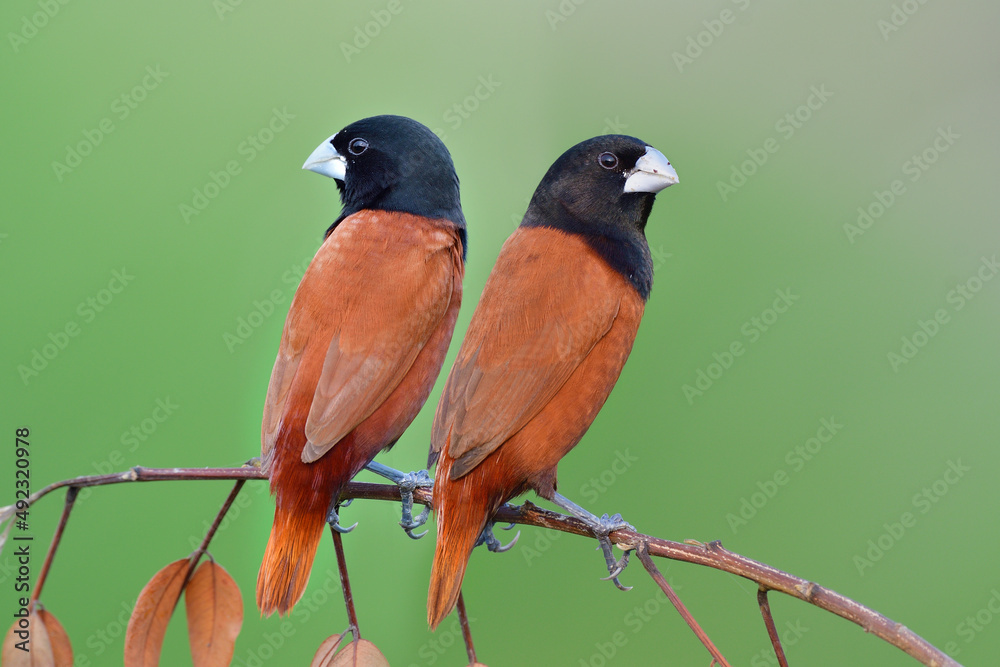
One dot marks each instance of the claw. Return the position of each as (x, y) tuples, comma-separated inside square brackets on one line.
[(492, 543), (343, 531), (618, 568), (602, 527), (333, 519), (409, 523)]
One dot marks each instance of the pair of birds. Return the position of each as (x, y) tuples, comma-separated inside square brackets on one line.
[(372, 319)]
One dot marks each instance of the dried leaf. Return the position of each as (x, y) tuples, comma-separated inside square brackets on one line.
[(325, 653), (214, 615), (62, 650), (361, 653), (38, 651), (153, 609)]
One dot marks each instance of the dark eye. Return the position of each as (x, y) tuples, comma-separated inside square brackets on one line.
[(357, 146), (607, 160)]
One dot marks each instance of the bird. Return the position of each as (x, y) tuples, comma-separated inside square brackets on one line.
[(548, 339), (365, 336)]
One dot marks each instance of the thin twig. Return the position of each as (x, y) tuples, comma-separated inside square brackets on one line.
[(772, 632), (203, 547), (710, 555), (463, 618), (140, 474), (56, 538), (643, 552), (345, 585)]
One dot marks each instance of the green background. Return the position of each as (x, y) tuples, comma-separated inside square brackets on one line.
[(559, 73)]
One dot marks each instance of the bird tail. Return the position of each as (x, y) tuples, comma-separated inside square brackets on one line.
[(288, 559), (462, 508)]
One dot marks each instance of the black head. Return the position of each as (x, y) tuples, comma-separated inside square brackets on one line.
[(390, 163), (603, 189)]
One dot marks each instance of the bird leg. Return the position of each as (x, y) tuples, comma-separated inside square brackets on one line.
[(492, 543), (602, 527), (407, 482)]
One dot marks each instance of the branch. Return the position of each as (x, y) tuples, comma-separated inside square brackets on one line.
[(772, 632), (710, 555), (647, 562)]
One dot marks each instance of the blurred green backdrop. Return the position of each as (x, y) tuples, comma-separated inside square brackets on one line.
[(156, 221)]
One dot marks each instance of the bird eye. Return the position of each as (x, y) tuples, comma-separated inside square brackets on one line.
[(357, 146), (607, 160)]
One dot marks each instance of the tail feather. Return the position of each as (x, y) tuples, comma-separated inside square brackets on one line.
[(288, 559), (462, 507)]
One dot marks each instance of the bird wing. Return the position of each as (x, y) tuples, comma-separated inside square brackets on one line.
[(544, 308), (371, 298)]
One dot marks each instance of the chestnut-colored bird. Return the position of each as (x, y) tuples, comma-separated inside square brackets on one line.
[(547, 342), (365, 336)]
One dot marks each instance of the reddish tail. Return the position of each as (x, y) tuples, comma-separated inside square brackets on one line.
[(462, 508), (284, 573)]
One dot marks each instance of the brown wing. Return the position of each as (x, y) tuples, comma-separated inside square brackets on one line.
[(373, 295), (544, 308)]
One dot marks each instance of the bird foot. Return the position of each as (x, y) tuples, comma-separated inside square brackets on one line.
[(492, 543), (407, 482), (615, 566), (602, 527)]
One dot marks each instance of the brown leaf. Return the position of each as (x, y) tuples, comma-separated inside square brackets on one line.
[(39, 650), (324, 655), (361, 653), (62, 650), (214, 615), (153, 609)]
